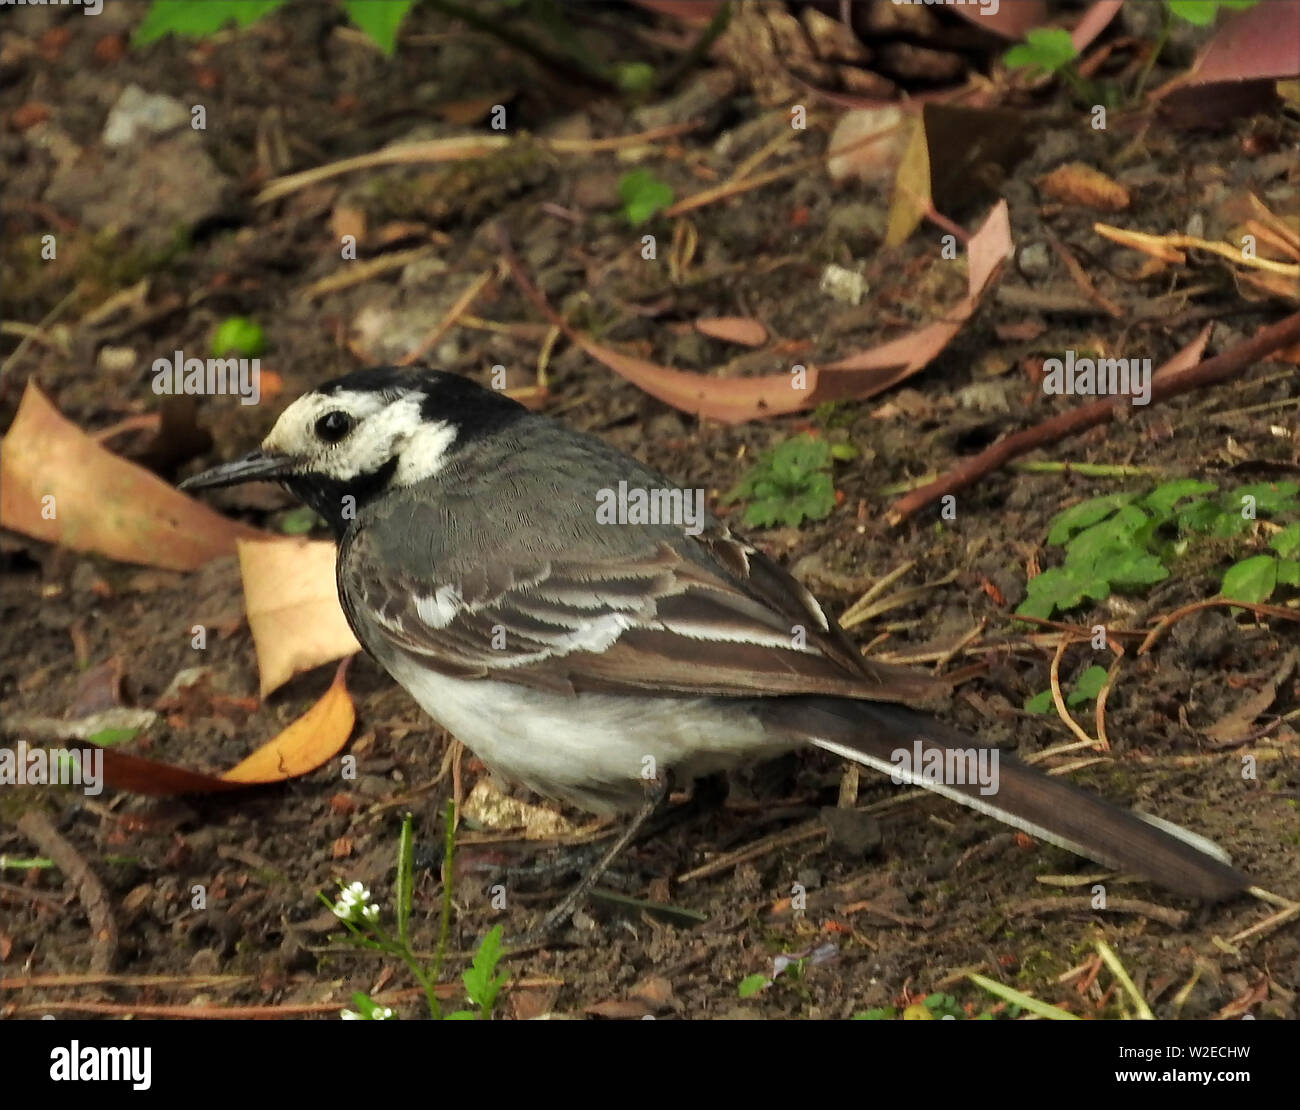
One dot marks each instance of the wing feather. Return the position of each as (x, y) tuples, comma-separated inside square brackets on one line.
[(718, 618)]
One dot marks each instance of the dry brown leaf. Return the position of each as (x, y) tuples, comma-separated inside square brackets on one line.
[(58, 485), (495, 810), (348, 219), (293, 607), (1079, 184), (463, 113)]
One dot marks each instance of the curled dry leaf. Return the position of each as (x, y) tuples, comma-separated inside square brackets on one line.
[(313, 739), (58, 485), (293, 607)]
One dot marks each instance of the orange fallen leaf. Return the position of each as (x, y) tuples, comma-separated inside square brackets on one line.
[(293, 607), (58, 485), (313, 739)]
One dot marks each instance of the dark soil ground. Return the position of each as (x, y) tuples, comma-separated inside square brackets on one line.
[(943, 892)]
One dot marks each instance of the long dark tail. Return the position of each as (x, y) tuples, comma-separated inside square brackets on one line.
[(885, 737)]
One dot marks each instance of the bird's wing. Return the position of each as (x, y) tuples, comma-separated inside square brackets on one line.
[(707, 615)]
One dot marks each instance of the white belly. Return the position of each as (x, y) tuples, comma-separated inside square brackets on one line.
[(592, 750)]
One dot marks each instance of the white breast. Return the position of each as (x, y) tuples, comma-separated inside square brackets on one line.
[(591, 750)]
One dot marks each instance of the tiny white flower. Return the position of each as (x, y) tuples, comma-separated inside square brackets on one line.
[(382, 1012), (350, 1015), (343, 910), (370, 913)]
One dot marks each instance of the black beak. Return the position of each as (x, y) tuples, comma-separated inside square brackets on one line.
[(256, 466)]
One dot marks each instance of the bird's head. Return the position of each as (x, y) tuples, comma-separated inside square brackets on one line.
[(344, 442)]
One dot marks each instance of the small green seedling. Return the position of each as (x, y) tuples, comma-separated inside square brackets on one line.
[(642, 195), (790, 483), (240, 335), (361, 917), (1085, 689), (1045, 48)]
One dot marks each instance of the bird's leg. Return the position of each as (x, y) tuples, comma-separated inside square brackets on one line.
[(706, 796), (564, 910)]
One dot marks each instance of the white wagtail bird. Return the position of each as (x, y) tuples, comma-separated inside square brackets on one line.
[(596, 662)]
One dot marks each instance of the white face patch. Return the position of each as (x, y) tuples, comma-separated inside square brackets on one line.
[(424, 453), (384, 429)]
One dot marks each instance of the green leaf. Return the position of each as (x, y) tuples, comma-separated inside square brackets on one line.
[(1287, 541), (1199, 516), (1095, 549), (1087, 687), (1271, 498), (788, 484), (1252, 579), (1039, 703), (751, 984), (1048, 48), (461, 1015), (300, 521), (1288, 572), (366, 1007), (1163, 498), (1199, 12), (378, 19), (481, 982), (879, 1013), (642, 195), (1202, 12), (402, 895), (1061, 588), (238, 334), (197, 19), (1077, 517), (1131, 568), (634, 77), (1227, 525), (107, 737)]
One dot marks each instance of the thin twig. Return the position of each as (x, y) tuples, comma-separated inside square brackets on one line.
[(1059, 701), (1170, 619), (1221, 367)]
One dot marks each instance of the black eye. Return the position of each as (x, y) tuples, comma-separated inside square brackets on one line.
[(333, 426)]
